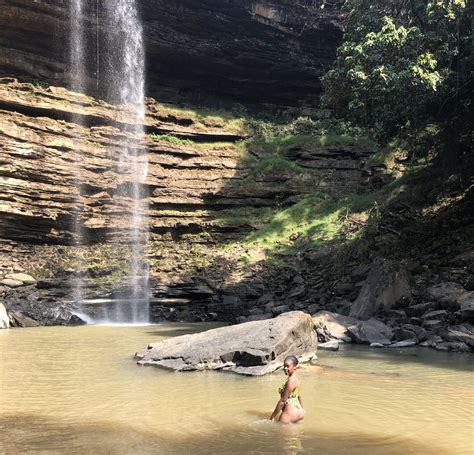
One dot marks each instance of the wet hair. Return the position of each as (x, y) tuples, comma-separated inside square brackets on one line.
[(292, 359)]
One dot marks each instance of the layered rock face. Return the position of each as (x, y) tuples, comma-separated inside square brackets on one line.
[(241, 50), (60, 178), (57, 173)]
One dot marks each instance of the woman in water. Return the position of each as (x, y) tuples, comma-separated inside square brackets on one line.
[(290, 404)]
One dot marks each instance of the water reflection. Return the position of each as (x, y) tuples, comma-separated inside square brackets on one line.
[(28, 433), (415, 355)]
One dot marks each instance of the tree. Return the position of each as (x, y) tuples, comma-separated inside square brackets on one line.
[(404, 65)]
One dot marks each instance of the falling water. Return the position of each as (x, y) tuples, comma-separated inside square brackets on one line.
[(126, 76), (77, 79), (119, 70)]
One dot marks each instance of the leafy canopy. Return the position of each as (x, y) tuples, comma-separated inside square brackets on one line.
[(403, 65)]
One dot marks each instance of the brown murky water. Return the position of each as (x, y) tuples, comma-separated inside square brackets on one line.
[(79, 391)]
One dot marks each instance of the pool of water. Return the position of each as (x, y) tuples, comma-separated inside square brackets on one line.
[(79, 390)]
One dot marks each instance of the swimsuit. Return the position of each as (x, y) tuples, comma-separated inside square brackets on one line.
[(293, 397)]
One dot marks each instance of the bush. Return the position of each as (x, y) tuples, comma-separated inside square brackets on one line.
[(171, 139)]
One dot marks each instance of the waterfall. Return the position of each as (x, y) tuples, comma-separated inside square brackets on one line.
[(77, 79), (119, 70)]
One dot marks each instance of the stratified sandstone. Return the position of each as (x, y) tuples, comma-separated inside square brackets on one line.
[(60, 174)]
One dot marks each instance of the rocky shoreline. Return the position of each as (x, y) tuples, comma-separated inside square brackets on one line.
[(380, 305)]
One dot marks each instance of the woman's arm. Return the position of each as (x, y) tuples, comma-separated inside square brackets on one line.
[(277, 410), (289, 387)]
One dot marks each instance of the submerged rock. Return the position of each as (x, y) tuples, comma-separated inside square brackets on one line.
[(329, 345), (252, 348), (404, 344)]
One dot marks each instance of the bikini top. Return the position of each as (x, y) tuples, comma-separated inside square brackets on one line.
[(295, 393)]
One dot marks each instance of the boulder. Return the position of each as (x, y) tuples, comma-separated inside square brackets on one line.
[(4, 320), (332, 326), (360, 272), (255, 317), (439, 314), (404, 333), (450, 295), (396, 314), (255, 311), (462, 333), (265, 298), (452, 346), (329, 345), (280, 309), (23, 277), (11, 283), (19, 319), (432, 341), (463, 259), (433, 324), (469, 284), (466, 312), (371, 331), (298, 291), (421, 308), (252, 348), (385, 285), (406, 329)]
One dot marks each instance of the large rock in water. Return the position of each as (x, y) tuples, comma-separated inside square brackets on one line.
[(332, 326), (252, 348)]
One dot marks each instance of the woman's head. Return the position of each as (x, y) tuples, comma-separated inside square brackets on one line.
[(289, 364)]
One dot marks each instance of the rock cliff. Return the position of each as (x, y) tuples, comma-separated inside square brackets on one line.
[(52, 139), (242, 50), (60, 176)]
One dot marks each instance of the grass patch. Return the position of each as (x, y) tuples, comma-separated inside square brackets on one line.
[(314, 218), (202, 118), (275, 164), (318, 218), (171, 139), (244, 215)]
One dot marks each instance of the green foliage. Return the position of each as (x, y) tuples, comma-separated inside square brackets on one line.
[(318, 218), (314, 218), (281, 144), (266, 130), (202, 118), (275, 163), (171, 139), (402, 64), (38, 84)]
